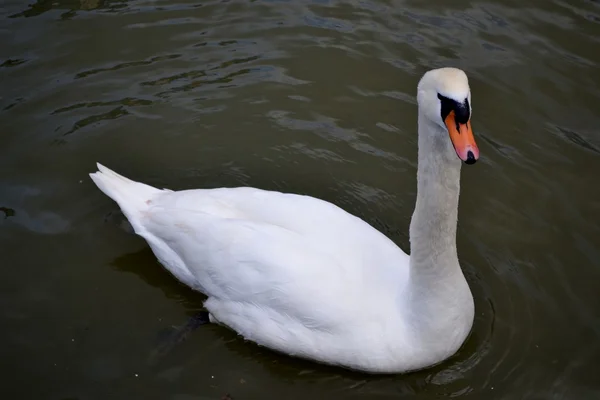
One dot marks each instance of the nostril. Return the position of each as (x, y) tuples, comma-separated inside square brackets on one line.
[(470, 158)]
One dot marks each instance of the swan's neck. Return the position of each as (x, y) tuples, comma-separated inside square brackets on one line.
[(433, 225), (439, 302)]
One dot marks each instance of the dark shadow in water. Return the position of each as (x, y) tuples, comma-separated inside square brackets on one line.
[(8, 212), (144, 264), (12, 62)]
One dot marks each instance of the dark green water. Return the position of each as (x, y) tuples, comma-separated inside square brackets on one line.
[(309, 97)]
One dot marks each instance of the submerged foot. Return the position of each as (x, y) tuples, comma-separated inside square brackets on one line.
[(179, 334)]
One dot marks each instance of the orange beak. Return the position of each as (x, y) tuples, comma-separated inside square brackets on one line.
[(462, 139)]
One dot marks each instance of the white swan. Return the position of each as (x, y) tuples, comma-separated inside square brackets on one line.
[(301, 276)]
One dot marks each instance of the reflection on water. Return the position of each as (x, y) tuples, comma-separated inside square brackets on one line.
[(314, 97), (40, 7)]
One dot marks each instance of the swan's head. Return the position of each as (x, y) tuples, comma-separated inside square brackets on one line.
[(445, 98)]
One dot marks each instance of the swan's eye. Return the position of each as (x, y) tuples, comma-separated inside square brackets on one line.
[(462, 111)]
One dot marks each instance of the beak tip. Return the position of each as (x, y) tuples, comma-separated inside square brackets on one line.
[(470, 158)]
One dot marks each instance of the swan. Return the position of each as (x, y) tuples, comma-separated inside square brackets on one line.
[(303, 277)]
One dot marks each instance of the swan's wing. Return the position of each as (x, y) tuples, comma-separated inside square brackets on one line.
[(255, 263)]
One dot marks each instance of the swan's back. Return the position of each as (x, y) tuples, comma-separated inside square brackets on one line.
[(323, 225)]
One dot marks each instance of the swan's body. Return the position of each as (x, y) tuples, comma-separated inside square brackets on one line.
[(302, 276)]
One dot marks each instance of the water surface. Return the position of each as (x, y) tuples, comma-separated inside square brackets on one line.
[(313, 97)]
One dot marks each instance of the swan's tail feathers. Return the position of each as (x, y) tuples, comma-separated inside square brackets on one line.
[(132, 197)]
